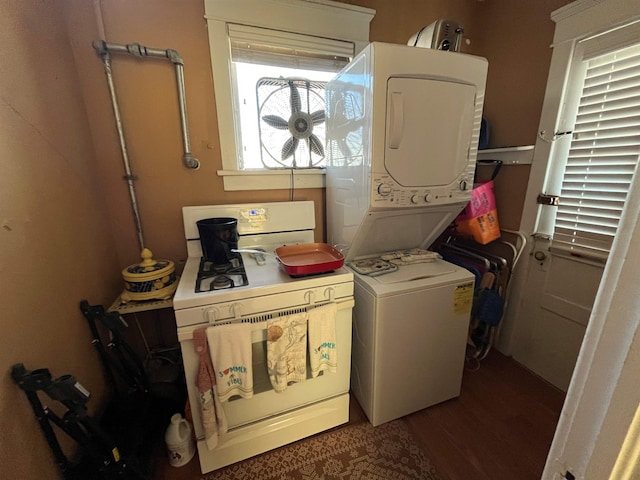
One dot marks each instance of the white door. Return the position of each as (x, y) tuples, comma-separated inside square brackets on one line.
[(555, 309), (597, 431), (592, 146)]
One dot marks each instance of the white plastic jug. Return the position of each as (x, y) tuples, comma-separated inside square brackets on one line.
[(180, 446)]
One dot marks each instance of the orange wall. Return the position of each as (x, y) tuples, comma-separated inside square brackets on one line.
[(146, 90), (56, 244), (67, 228), (516, 39)]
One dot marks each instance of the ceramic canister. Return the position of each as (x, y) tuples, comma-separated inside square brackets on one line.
[(149, 279), (180, 445)]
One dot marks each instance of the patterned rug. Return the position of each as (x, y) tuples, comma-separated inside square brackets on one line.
[(386, 452)]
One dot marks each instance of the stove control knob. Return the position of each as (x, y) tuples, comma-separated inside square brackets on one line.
[(212, 314), (384, 189)]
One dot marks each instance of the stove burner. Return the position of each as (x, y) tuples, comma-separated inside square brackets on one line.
[(222, 268), (213, 276), (221, 281), (207, 267)]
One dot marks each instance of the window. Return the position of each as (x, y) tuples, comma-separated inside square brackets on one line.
[(270, 61), (597, 163)]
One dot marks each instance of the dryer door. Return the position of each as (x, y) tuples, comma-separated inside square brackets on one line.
[(428, 130)]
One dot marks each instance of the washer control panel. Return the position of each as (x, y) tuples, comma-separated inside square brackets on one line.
[(388, 193)]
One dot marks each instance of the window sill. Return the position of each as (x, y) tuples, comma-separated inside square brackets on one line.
[(238, 180)]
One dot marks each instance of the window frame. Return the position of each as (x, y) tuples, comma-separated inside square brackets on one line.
[(579, 32), (331, 20), (591, 245)]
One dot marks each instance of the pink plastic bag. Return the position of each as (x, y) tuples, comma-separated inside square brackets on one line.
[(479, 219)]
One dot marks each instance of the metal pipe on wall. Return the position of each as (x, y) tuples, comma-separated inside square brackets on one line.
[(141, 51), (103, 50), (129, 177)]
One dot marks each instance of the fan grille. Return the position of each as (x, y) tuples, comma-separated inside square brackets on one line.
[(291, 122)]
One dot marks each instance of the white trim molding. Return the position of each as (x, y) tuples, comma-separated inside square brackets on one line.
[(589, 17), (237, 180)]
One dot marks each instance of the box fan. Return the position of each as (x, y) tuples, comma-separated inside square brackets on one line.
[(291, 115)]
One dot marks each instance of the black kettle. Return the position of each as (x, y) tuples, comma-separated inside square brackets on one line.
[(218, 237)]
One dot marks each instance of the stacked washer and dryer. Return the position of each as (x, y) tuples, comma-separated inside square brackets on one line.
[(403, 125)]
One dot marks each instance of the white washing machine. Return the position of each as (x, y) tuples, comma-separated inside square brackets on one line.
[(403, 125), (409, 335)]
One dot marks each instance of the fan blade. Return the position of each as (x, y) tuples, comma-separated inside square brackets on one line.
[(296, 104), (276, 122), (317, 117), (315, 145), (289, 147)]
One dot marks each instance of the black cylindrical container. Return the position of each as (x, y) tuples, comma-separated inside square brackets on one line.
[(218, 236)]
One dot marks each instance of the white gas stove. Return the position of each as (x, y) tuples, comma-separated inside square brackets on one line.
[(261, 226), (258, 289)]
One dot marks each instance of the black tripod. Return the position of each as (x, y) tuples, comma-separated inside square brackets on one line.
[(135, 416), (103, 459), (119, 359)]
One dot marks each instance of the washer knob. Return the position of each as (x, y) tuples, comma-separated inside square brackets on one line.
[(416, 199), (428, 198), (384, 189), (464, 184)]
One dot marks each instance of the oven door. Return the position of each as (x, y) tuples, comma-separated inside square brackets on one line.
[(265, 402)]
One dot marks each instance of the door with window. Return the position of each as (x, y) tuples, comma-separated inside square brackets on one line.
[(593, 154)]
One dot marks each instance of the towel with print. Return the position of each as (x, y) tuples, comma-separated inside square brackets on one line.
[(323, 352), (230, 347), (287, 350)]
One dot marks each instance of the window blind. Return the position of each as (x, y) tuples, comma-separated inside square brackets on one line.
[(287, 49), (603, 155)]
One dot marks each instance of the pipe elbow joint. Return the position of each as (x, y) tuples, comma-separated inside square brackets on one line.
[(175, 57), (100, 46), (190, 161)]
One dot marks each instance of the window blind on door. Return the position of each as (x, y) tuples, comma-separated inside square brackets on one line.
[(603, 155)]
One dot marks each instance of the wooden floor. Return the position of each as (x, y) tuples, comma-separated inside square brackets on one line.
[(500, 428)]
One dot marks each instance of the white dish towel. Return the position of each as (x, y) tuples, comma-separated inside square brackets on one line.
[(230, 347), (323, 352), (287, 350)]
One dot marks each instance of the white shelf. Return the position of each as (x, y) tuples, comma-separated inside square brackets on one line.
[(508, 155)]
